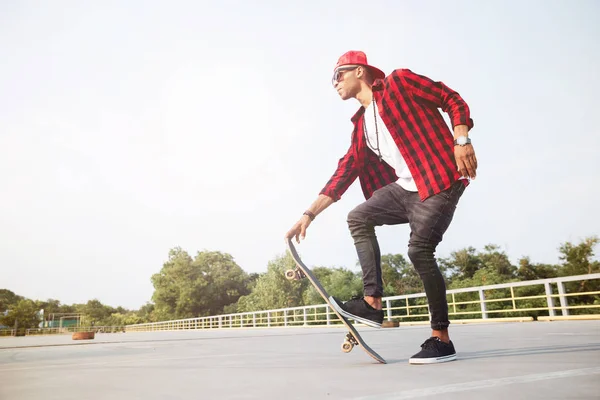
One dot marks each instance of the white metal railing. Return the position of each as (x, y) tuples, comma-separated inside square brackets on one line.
[(538, 298), (516, 299)]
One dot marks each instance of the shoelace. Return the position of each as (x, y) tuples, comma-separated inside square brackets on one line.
[(431, 343)]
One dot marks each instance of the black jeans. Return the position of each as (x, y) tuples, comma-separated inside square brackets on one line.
[(428, 221)]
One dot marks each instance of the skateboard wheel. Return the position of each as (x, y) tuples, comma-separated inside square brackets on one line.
[(290, 274), (347, 347)]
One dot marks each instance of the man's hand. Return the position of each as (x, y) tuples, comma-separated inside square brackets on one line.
[(299, 229), (466, 160)]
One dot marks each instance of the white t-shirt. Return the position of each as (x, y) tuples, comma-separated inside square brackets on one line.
[(389, 151)]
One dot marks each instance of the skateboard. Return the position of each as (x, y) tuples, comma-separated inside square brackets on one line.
[(352, 337)]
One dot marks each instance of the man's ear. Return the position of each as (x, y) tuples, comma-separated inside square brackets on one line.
[(364, 74), (360, 72)]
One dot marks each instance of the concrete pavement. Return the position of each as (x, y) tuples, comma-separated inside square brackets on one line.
[(531, 360)]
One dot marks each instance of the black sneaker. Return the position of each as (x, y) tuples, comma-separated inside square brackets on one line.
[(359, 310), (433, 350)]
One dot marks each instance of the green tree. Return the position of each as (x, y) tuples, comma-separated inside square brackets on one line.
[(484, 276), (399, 276), (273, 290), (470, 268), (25, 312), (488, 275), (120, 319), (146, 312), (172, 285), (527, 271), (461, 264), (96, 313), (578, 260), (227, 281), (493, 258), (8, 299), (527, 294), (338, 282), (187, 287)]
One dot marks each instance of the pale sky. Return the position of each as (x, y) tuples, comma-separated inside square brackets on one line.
[(129, 129)]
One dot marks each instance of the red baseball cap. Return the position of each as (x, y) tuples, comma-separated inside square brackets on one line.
[(355, 57)]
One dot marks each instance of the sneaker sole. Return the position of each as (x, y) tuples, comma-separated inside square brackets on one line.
[(364, 321), (436, 360)]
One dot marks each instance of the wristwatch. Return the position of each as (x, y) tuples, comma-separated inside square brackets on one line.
[(462, 140)]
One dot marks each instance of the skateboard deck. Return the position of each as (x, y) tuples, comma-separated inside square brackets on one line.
[(352, 337)]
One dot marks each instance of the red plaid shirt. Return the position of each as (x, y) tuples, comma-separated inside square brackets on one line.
[(408, 105)]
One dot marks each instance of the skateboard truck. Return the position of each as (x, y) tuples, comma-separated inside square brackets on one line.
[(349, 343), (295, 274)]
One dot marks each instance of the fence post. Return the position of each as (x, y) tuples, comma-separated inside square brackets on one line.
[(482, 302), (454, 303), (304, 311), (564, 304), (549, 299), (388, 306)]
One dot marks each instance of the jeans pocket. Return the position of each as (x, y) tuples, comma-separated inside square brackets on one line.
[(454, 191), (448, 193)]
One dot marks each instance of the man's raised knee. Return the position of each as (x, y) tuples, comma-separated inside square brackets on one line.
[(418, 251), (354, 218)]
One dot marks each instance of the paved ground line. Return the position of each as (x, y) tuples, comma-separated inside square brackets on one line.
[(487, 383), (139, 360)]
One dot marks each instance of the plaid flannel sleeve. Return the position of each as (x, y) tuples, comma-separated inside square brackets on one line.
[(439, 95), (342, 178)]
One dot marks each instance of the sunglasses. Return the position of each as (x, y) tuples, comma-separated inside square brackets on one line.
[(339, 73)]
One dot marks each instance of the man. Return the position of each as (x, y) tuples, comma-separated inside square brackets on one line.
[(412, 169)]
